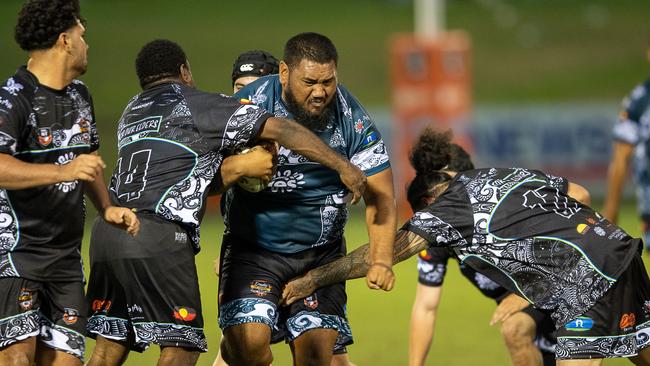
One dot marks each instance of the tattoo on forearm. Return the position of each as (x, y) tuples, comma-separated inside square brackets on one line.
[(357, 263)]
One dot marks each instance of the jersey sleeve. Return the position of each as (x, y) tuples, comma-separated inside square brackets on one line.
[(432, 266), (367, 149), (227, 123), (94, 134), (438, 233), (12, 121), (627, 127)]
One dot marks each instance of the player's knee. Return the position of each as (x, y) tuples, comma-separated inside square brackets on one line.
[(11, 358), (242, 345), (516, 329)]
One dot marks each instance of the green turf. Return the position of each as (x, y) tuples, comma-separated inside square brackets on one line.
[(380, 321)]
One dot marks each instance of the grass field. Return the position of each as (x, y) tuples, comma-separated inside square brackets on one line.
[(380, 320)]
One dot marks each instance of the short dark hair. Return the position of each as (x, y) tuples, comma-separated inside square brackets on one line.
[(254, 63), (41, 21), (159, 59), (309, 46)]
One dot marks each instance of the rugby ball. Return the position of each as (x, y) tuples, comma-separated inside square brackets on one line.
[(250, 184)]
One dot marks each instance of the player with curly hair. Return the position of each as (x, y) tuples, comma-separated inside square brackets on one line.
[(48, 159), (534, 235)]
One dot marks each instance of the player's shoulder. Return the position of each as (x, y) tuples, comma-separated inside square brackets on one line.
[(266, 89)]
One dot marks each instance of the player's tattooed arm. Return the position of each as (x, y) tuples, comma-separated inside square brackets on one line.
[(353, 265), (302, 141)]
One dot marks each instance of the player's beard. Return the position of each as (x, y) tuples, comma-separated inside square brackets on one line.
[(314, 122)]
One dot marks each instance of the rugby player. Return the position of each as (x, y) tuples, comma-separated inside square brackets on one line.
[(48, 159), (297, 222), (531, 233), (172, 139), (527, 332), (631, 138)]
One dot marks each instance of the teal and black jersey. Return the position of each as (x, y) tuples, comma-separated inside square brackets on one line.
[(41, 227), (304, 205), (172, 140)]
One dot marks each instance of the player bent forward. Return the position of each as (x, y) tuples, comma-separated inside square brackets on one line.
[(529, 232)]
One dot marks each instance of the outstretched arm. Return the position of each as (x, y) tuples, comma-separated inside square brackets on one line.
[(353, 265), (300, 140), (423, 322)]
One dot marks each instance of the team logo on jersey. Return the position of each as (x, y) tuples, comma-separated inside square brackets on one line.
[(44, 135), (25, 299), (311, 302), (628, 320), (580, 324), (245, 101), (184, 313), (260, 288), (84, 125), (582, 228), (70, 316), (358, 126)]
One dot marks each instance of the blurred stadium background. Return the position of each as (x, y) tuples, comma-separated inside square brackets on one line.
[(547, 78)]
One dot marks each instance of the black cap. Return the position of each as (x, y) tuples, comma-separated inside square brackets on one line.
[(254, 63)]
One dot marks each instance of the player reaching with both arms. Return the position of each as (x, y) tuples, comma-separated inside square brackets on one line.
[(48, 159), (527, 332), (531, 233), (172, 139)]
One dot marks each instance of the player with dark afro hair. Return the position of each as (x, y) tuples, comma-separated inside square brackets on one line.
[(41, 21), (157, 60)]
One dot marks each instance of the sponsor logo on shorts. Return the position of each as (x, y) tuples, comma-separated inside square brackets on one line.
[(101, 305), (180, 238), (424, 254), (44, 136), (628, 320), (311, 301), (599, 230), (591, 221), (70, 316), (184, 313), (580, 324), (582, 228), (25, 299), (261, 288)]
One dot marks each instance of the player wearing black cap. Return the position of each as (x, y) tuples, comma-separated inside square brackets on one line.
[(250, 66)]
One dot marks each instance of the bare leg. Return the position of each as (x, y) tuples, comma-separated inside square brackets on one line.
[(314, 347), (19, 354), (108, 353), (51, 357), (177, 356), (643, 358), (518, 332), (341, 359), (247, 344), (591, 362)]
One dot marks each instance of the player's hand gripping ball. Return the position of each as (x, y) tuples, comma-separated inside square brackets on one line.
[(256, 184)]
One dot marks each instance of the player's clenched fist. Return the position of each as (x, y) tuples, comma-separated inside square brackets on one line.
[(259, 164), (123, 217), (380, 276), (84, 167)]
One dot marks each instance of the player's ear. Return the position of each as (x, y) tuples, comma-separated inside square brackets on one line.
[(284, 73), (186, 74)]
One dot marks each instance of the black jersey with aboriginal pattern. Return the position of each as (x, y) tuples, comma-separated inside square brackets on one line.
[(172, 140), (41, 227), (432, 268), (521, 229)]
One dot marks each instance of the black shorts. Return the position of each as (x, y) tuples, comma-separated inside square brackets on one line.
[(618, 325), (55, 312), (145, 287), (251, 283)]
